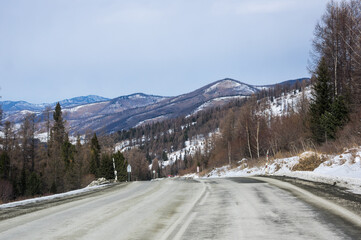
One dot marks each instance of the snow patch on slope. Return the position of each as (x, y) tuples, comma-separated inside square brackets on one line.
[(343, 170), (214, 102), (282, 105)]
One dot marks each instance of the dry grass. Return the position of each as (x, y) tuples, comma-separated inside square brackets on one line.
[(309, 163), (256, 162), (283, 154), (87, 179), (187, 171), (342, 161), (277, 167)]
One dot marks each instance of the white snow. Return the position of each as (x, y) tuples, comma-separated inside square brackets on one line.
[(74, 109), (43, 137), (343, 170), (223, 84), (150, 120), (231, 84), (282, 105), (212, 102), (51, 197), (25, 112), (192, 146)]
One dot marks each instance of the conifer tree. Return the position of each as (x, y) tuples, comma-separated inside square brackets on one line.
[(335, 118), (321, 101), (80, 169), (58, 130), (94, 156), (4, 165), (120, 165), (340, 111), (164, 156), (33, 184), (106, 167), (56, 160), (68, 151)]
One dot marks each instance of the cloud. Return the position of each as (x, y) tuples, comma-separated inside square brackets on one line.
[(88, 43)]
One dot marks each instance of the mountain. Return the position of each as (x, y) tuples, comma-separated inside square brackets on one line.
[(15, 106), (285, 83), (223, 90), (94, 113), (73, 102)]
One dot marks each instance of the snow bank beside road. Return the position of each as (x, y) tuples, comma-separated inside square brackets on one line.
[(342, 170), (51, 197)]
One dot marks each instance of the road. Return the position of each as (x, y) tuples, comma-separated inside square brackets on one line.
[(238, 208)]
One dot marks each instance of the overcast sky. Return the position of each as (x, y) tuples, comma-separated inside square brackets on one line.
[(52, 50)]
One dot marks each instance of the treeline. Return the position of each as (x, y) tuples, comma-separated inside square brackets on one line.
[(157, 139), (337, 69), (29, 167), (329, 120), (244, 128), (167, 136)]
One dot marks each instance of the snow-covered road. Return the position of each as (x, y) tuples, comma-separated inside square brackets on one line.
[(235, 208)]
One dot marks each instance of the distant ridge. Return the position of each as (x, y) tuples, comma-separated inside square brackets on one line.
[(13, 106), (103, 115)]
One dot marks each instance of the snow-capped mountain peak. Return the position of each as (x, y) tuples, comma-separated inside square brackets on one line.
[(110, 115), (230, 87), (16, 106)]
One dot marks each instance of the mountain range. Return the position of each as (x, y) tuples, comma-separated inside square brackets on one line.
[(103, 115)]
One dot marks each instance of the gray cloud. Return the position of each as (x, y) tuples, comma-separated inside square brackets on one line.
[(57, 49)]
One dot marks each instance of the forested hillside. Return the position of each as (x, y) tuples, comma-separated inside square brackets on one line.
[(321, 113)]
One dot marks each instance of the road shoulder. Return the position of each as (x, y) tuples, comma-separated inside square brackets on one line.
[(333, 199)]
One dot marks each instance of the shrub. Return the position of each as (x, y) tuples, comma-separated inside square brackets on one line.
[(6, 191), (308, 162)]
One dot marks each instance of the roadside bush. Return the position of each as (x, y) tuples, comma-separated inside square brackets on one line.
[(6, 191), (308, 162)]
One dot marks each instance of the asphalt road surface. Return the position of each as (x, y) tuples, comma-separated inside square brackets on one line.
[(237, 208)]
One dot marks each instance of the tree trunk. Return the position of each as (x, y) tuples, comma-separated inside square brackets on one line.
[(229, 152), (249, 141), (335, 73), (257, 138)]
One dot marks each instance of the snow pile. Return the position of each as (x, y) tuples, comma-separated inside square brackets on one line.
[(99, 181), (51, 197), (343, 170), (191, 176)]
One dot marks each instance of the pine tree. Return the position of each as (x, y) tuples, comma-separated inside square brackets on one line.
[(4, 165), (58, 130), (329, 125), (79, 167), (68, 151), (33, 184), (120, 165), (22, 182), (56, 160), (106, 167), (321, 101), (327, 114), (335, 118), (94, 156), (340, 111), (164, 156)]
